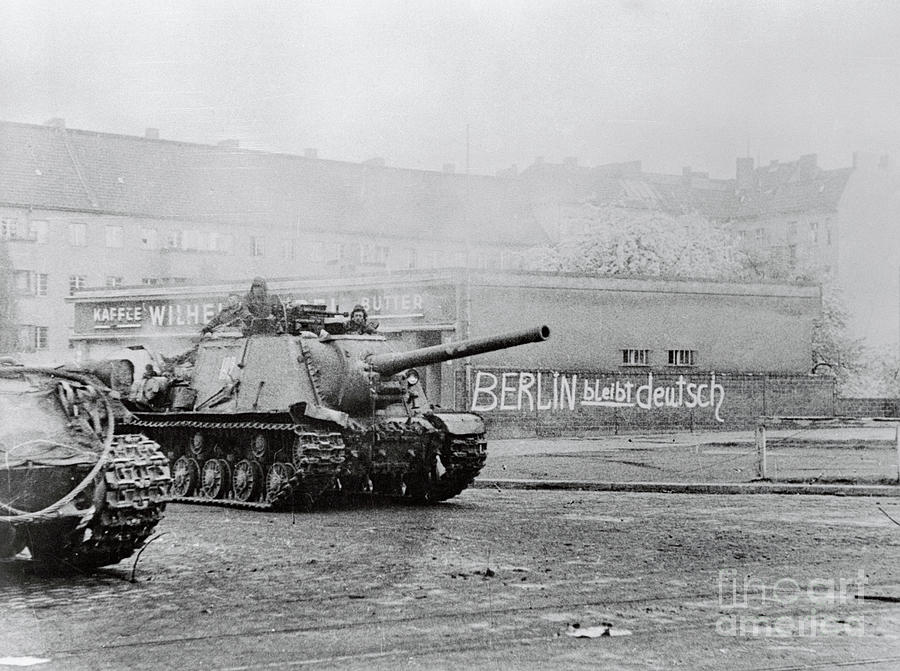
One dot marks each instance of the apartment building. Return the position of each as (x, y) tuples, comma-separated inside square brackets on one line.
[(82, 209)]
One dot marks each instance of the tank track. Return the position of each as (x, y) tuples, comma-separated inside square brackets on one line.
[(128, 503), (463, 458), (439, 468), (326, 464), (313, 467)]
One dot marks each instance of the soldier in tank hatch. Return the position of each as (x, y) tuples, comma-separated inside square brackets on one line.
[(359, 323), (232, 314)]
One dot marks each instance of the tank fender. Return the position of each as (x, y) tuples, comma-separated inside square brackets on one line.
[(303, 409), (457, 423)]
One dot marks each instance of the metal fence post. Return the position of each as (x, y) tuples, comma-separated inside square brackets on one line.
[(761, 450), (897, 437)]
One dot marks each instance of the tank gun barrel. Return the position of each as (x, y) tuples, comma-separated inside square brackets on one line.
[(391, 363)]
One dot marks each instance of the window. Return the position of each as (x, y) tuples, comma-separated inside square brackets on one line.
[(792, 231), (9, 229), (375, 255), (39, 232), (160, 281), (114, 281), (148, 238), (760, 235), (190, 239), (741, 235), (289, 249), (114, 236), (40, 284), (792, 252), (41, 337), (173, 239), (78, 235), (828, 235), (23, 280), (814, 232), (32, 338), (635, 357), (682, 357), (409, 258), (256, 245), (76, 282), (225, 243)]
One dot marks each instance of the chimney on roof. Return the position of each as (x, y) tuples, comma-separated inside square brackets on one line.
[(311, 152), (151, 133), (230, 143), (570, 161), (449, 168), (744, 177), (376, 162), (56, 122)]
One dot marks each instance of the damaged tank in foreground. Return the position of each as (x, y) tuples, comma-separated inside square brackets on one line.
[(71, 490), (276, 420)]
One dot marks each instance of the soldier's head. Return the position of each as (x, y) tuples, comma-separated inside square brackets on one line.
[(258, 288), (232, 301), (358, 315)]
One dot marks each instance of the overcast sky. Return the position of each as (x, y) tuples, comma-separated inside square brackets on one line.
[(668, 83)]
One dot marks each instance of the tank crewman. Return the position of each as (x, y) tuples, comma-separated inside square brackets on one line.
[(233, 313), (359, 323), (265, 312)]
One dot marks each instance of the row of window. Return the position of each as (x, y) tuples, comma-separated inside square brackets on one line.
[(27, 282), (675, 357), (761, 236), (337, 254)]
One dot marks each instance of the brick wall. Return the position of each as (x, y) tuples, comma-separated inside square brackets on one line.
[(586, 403), (867, 407)]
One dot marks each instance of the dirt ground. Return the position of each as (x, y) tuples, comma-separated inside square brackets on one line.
[(491, 580)]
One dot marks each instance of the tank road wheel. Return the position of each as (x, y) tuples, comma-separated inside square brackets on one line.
[(278, 476), (216, 479), (197, 446), (247, 480), (185, 474), (259, 447)]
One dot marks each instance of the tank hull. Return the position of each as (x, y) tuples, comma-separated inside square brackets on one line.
[(71, 492)]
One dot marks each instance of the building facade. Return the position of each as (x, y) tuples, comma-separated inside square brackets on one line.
[(623, 353), (93, 210)]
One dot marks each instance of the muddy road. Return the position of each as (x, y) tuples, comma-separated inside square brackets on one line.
[(493, 579)]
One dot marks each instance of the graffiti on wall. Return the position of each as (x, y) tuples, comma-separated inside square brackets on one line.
[(529, 391)]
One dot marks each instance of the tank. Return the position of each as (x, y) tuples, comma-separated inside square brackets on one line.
[(280, 420), (73, 490)]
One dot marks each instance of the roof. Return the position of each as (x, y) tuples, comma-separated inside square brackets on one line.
[(50, 167), (778, 188)]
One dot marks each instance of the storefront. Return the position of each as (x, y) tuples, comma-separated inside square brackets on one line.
[(614, 343)]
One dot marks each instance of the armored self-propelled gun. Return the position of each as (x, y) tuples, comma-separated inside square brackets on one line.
[(274, 419)]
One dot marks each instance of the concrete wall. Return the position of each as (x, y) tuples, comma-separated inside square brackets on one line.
[(732, 327), (582, 403)]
